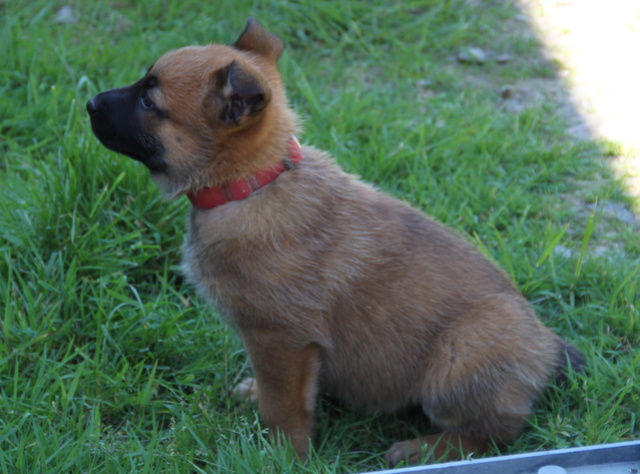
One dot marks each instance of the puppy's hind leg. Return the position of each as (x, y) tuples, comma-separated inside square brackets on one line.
[(482, 378), (474, 415)]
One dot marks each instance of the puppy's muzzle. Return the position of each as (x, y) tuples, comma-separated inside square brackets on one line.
[(118, 123)]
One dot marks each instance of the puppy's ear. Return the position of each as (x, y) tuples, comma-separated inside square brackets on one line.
[(256, 39), (240, 93)]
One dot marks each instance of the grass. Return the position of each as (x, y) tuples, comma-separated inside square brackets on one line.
[(108, 361)]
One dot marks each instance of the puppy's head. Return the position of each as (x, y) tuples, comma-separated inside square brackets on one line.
[(202, 116)]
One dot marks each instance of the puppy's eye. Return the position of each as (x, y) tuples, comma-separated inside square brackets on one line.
[(146, 101)]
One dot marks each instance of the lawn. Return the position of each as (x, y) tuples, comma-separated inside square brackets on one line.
[(109, 362)]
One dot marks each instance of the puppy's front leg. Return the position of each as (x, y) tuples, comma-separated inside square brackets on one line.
[(286, 385)]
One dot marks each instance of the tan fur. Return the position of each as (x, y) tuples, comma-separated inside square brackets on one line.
[(335, 287), (188, 79)]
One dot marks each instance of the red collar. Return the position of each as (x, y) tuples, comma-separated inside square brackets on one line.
[(215, 196)]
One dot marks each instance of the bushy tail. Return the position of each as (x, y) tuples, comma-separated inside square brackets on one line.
[(569, 359)]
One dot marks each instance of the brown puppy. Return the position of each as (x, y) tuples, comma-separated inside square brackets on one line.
[(333, 286)]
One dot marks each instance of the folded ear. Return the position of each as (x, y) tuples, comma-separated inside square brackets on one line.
[(241, 94), (257, 40)]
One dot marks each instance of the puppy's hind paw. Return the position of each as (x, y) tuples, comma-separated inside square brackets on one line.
[(246, 393), (408, 451), (437, 447)]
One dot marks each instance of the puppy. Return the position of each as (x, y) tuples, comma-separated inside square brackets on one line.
[(332, 286)]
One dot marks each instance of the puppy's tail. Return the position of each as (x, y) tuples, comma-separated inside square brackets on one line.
[(570, 358)]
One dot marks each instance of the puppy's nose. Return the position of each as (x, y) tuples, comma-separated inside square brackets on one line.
[(92, 105)]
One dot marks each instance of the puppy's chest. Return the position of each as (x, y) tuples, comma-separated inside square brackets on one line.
[(243, 272), (213, 263)]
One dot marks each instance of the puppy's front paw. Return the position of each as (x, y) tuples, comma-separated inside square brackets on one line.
[(246, 392)]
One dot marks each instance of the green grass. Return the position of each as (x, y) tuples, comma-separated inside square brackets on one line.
[(108, 361)]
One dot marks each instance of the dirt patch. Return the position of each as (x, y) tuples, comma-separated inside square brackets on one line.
[(595, 44), (592, 49)]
